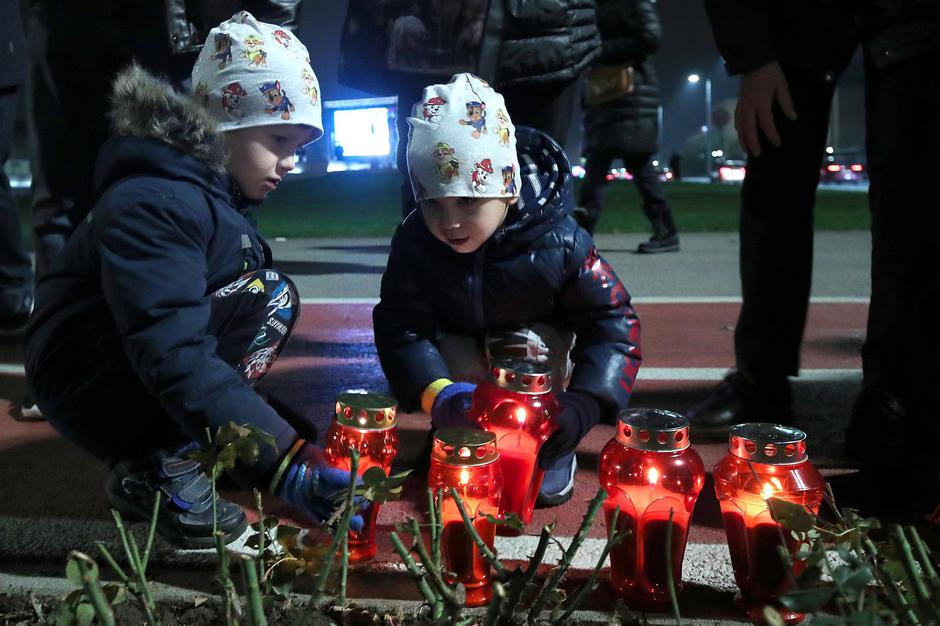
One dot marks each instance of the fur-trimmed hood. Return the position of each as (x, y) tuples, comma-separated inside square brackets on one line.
[(143, 105)]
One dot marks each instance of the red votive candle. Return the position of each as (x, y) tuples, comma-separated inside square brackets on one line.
[(517, 405), (364, 422), (468, 461), (649, 469), (764, 461)]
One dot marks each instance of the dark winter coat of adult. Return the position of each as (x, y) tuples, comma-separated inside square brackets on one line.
[(532, 43), (129, 296), (630, 33), (539, 266)]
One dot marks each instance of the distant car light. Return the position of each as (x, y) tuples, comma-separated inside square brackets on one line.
[(731, 174), (834, 167), (856, 167)]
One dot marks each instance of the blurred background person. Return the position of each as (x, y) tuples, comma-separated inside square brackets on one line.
[(621, 117)]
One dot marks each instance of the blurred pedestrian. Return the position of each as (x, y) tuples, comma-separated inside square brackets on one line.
[(621, 117), (158, 318), (533, 51), (789, 56), (16, 272)]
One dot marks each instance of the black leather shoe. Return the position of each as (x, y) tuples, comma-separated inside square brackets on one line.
[(740, 398), (660, 243), (185, 517)]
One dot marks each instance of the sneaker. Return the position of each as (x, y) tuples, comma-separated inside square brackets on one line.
[(660, 243), (29, 410), (740, 398), (558, 483), (185, 517)]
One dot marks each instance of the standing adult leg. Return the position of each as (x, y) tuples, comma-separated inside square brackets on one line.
[(552, 109), (665, 235), (896, 407), (776, 257), (16, 289), (593, 189)]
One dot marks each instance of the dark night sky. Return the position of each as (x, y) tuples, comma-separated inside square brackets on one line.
[(687, 47)]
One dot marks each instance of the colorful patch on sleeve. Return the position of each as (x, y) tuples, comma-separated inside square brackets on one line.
[(277, 99), (281, 302)]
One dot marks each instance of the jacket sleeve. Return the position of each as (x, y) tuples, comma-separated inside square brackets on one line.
[(640, 39), (153, 273), (606, 354), (742, 31), (405, 327)]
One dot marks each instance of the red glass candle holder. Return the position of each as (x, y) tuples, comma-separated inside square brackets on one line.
[(365, 422), (649, 469), (765, 460), (517, 405), (468, 461)]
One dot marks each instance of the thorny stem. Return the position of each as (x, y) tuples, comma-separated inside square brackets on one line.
[(262, 538), (673, 599), (140, 588), (344, 570), (114, 565), (896, 596), (256, 615), (341, 532), (612, 540), (152, 529), (496, 604), (435, 523), (519, 584), (923, 555), (485, 550), (92, 586), (552, 581), (917, 586), (415, 573), (435, 573)]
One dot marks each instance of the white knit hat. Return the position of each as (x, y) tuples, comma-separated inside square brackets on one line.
[(462, 142), (250, 73)]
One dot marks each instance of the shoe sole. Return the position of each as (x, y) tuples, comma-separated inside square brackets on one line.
[(642, 250), (135, 512)]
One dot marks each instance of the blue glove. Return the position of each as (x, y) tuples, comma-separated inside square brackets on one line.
[(312, 485), (451, 406), (580, 412)]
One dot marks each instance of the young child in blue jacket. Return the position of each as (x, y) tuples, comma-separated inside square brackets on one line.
[(163, 310), (493, 266)]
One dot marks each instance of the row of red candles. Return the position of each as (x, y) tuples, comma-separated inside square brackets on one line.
[(649, 471)]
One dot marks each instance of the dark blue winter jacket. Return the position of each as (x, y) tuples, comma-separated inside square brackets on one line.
[(166, 232), (539, 266)]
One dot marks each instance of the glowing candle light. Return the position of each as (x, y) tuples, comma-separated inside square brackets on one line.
[(365, 422), (468, 461), (648, 470), (764, 461), (516, 404)]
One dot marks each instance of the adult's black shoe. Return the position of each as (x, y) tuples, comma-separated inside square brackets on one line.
[(185, 517), (660, 243), (740, 398)]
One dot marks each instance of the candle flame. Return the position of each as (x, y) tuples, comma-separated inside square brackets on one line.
[(767, 491), (464, 476), (521, 415), (653, 475)]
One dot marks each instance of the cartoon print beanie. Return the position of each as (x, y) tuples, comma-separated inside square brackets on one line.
[(462, 142), (250, 73)]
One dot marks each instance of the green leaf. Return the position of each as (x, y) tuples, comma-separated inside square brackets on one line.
[(84, 614), (826, 620), (790, 515), (852, 580), (510, 520), (807, 600), (73, 573), (375, 475), (115, 593), (772, 616), (64, 613)]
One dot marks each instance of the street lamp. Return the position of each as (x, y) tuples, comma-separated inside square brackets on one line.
[(694, 79)]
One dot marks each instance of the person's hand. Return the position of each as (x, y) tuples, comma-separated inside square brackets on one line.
[(580, 412), (753, 114), (312, 485), (451, 406)]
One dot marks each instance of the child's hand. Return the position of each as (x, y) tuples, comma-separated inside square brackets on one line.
[(452, 405), (580, 412), (312, 485)]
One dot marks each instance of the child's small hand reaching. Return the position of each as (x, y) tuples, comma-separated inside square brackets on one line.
[(580, 412), (312, 485), (452, 405)]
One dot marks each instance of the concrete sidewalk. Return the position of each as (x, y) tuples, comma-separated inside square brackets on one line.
[(51, 496)]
